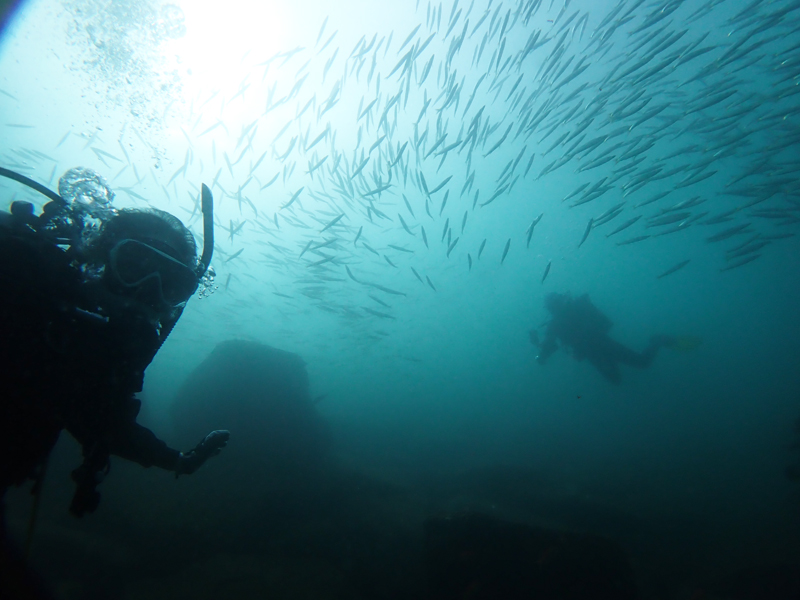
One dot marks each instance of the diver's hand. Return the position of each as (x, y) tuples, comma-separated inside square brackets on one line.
[(212, 444)]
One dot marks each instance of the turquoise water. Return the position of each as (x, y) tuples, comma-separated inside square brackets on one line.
[(683, 115)]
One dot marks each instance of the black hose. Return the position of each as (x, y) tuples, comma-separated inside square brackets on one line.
[(32, 184), (208, 230)]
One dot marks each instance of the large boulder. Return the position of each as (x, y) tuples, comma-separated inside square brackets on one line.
[(261, 394), (276, 462)]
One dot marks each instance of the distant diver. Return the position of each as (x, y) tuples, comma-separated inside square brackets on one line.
[(578, 324), (90, 293)]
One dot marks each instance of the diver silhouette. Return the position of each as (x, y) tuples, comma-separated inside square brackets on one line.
[(90, 293), (580, 326)]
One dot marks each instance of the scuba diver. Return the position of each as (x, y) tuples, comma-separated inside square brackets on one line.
[(579, 325), (90, 293)]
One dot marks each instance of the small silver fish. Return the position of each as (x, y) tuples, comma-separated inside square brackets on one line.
[(586, 233), (505, 251), (546, 271)]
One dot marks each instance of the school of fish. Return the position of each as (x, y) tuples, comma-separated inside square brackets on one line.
[(374, 165)]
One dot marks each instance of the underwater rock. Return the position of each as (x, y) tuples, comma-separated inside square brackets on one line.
[(261, 395), (243, 576), (758, 582), (479, 557)]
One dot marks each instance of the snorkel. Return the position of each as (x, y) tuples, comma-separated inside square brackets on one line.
[(208, 231)]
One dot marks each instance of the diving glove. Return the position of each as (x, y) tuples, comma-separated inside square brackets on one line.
[(212, 444)]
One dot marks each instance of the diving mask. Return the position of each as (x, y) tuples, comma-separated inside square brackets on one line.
[(141, 267)]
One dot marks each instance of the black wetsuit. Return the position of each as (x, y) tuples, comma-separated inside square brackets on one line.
[(73, 356), (578, 324)]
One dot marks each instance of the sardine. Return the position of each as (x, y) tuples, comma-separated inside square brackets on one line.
[(586, 233), (332, 223), (633, 240), (505, 251), (672, 269)]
